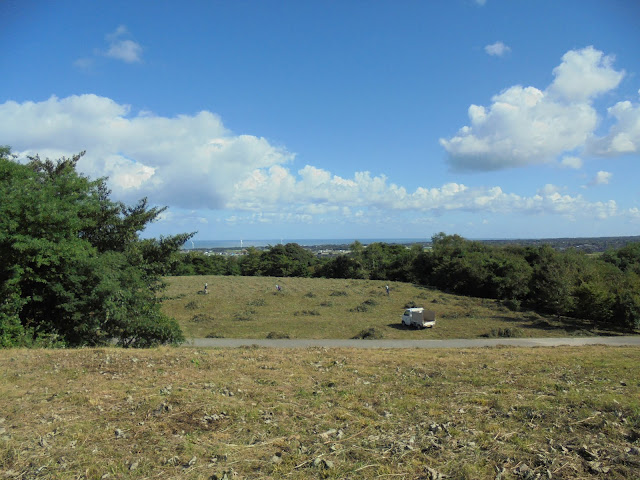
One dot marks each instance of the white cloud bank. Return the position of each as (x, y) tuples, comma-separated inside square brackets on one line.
[(193, 162), (526, 126), (318, 191), (185, 161)]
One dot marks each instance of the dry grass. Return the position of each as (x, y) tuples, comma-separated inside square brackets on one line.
[(250, 307), (560, 413)]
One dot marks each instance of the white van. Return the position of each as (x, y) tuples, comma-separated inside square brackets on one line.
[(419, 317)]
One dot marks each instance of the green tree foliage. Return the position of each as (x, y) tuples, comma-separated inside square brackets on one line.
[(551, 282), (379, 258), (568, 283), (197, 263), (341, 266), (626, 259), (74, 269), (290, 260)]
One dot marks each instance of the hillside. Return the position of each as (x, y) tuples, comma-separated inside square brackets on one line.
[(251, 307), (560, 413)]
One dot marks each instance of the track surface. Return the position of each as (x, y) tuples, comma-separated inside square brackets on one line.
[(452, 343)]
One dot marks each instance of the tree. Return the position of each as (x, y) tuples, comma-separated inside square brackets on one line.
[(250, 263), (341, 266), (551, 283), (73, 266), (626, 259), (290, 260)]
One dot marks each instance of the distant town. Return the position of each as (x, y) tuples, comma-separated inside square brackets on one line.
[(586, 245)]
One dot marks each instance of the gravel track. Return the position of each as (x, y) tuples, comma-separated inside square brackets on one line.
[(452, 343)]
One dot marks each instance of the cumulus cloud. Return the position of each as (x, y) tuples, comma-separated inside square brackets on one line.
[(194, 163), (122, 48), (584, 74), (497, 49), (624, 135), (189, 161), (601, 178), (316, 191), (526, 125), (570, 161)]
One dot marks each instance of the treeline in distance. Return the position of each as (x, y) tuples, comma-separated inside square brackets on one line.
[(601, 288)]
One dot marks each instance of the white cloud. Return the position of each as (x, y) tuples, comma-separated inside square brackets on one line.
[(481, 2), (569, 161), (497, 49), (525, 125), (584, 74), (521, 127), (122, 48), (601, 178), (549, 189), (188, 161), (119, 47), (314, 191), (624, 135), (125, 50), (192, 162)]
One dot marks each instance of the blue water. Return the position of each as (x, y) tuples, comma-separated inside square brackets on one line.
[(305, 242)]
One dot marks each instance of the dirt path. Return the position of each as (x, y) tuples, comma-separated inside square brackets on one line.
[(452, 343)]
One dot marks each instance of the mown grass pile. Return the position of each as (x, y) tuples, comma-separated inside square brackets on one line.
[(560, 413), (251, 307)]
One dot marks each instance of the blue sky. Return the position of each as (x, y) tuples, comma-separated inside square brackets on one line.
[(338, 119)]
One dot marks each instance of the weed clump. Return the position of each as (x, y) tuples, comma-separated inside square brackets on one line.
[(338, 293), (360, 308), (364, 306), (370, 333), (410, 304), (310, 295), (214, 335), (202, 317), (192, 305), (309, 313), (508, 332), (258, 302), (277, 335), (244, 316)]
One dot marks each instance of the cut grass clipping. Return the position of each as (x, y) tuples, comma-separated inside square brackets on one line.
[(559, 413)]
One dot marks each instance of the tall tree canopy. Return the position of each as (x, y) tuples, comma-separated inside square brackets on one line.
[(74, 269)]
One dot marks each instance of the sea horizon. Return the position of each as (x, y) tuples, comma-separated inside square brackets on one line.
[(304, 242), (311, 242)]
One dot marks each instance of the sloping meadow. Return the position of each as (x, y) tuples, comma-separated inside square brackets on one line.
[(265, 413), (252, 307)]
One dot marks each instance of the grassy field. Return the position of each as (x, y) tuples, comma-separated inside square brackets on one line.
[(250, 307), (558, 413)]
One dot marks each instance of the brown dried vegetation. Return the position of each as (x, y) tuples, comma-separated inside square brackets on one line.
[(560, 413)]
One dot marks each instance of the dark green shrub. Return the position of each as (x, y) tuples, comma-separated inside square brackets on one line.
[(370, 333), (277, 335)]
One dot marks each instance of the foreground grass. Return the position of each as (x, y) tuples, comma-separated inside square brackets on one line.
[(250, 307), (505, 413)]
